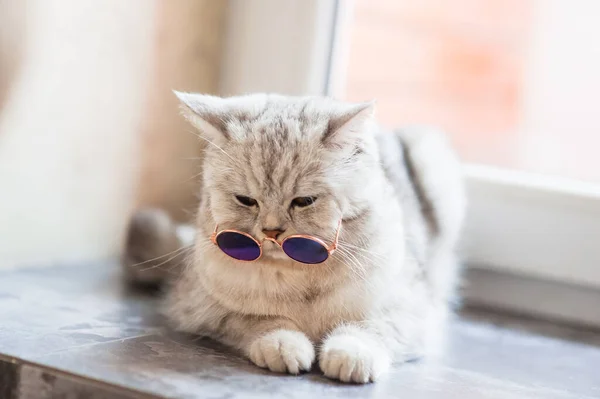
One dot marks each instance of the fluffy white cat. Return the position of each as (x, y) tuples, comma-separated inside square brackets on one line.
[(276, 166)]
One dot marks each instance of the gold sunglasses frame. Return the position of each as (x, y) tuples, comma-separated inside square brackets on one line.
[(330, 248)]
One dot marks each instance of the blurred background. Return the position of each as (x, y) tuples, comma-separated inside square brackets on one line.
[(89, 128), (515, 82)]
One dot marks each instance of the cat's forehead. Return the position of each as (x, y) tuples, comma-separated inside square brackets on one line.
[(274, 119), (279, 144), (259, 105), (278, 164)]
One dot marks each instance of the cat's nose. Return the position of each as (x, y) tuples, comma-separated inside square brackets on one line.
[(273, 233)]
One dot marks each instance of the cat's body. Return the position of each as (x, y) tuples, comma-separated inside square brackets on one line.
[(385, 292)]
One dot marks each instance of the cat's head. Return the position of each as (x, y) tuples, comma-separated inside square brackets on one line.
[(293, 164)]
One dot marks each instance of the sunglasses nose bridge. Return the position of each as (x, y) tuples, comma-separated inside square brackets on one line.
[(273, 240)]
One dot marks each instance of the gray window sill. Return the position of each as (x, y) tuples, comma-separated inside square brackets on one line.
[(78, 330)]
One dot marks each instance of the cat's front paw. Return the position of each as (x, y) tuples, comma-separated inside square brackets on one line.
[(348, 358), (283, 351)]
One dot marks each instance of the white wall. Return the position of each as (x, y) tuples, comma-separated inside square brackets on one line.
[(89, 113), (12, 41), (277, 46), (68, 130)]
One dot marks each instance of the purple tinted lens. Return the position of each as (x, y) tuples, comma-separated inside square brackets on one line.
[(305, 250), (238, 246)]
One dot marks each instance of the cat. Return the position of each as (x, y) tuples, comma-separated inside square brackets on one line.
[(306, 165)]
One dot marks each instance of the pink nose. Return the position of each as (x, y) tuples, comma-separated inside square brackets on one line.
[(272, 233)]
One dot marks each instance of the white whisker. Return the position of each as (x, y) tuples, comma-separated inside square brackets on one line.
[(166, 261), (161, 256)]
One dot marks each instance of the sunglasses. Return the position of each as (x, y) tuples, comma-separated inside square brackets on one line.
[(299, 247)]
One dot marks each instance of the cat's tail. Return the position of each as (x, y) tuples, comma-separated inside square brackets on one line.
[(436, 174), (155, 247)]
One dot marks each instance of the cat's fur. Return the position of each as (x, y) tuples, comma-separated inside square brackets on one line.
[(384, 294)]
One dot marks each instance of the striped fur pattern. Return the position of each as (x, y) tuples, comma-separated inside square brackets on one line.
[(385, 293)]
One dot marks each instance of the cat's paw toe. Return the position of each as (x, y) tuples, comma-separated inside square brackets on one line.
[(283, 351), (347, 358)]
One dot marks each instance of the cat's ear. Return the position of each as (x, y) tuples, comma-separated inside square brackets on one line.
[(206, 113), (348, 124)]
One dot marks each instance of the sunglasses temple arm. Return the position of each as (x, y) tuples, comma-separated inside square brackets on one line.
[(337, 236), (213, 236)]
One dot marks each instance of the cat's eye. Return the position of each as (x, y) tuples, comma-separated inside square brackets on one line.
[(302, 202), (246, 201)]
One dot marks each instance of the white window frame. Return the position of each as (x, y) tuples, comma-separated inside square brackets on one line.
[(278, 46), (540, 231)]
